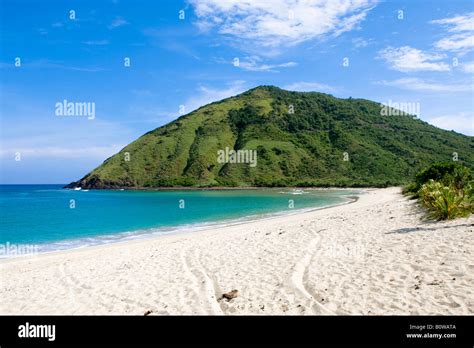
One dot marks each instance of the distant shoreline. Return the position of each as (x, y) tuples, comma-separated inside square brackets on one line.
[(213, 188), (227, 188)]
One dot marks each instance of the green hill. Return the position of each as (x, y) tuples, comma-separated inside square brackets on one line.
[(326, 141)]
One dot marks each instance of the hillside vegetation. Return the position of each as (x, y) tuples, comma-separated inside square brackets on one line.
[(326, 141)]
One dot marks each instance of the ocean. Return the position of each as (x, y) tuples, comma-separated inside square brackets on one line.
[(47, 218)]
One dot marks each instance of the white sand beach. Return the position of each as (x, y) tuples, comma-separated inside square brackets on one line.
[(374, 256)]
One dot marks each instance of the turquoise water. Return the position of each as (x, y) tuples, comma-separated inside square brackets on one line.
[(54, 218)]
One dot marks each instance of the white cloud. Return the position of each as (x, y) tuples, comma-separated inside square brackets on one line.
[(309, 87), (458, 43), (461, 122), (203, 95), (457, 23), (407, 59), (99, 152), (461, 31), (255, 63), (117, 22), (416, 84), (360, 42), (206, 95), (276, 23), (468, 67)]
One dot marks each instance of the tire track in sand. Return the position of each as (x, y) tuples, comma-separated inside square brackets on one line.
[(300, 274), (207, 287)]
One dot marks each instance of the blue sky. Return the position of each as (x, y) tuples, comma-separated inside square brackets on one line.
[(423, 54)]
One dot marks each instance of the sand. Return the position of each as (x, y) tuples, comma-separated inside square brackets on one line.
[(374, 256)]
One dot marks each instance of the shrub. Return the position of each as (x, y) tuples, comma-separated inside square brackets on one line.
[(447, 173), (444, 202), (429, 191), (445, 189), (459, 178)]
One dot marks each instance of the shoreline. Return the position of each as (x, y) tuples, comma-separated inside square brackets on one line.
[(373, 256), (227, 188), (141, 235)]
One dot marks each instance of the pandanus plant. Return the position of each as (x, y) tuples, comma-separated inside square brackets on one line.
[(445, 202)]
